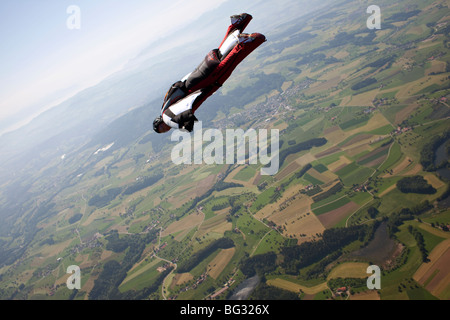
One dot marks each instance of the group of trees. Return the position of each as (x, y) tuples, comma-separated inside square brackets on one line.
[(345, 38), (397, 218), (266, 292), (199, 256), (219, 186), (428, 153), (307, 253), (347, 282), (381, 62), (143, 183), (415, 184), (333, 190), (259, 264), (403, 16), (420, 242), (114, 272), (364, 83), (306, 145), (76, 217), (104, 198)]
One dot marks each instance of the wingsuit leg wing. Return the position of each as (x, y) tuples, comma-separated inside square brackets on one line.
[(222, 72), (214, 70)]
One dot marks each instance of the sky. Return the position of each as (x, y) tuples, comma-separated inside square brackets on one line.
[(44, 60)]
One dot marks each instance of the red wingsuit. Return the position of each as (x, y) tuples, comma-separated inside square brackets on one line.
[(186, 96)]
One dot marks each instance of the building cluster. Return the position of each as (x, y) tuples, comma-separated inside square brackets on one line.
[(90, 242), (273, 105), (401, 130)]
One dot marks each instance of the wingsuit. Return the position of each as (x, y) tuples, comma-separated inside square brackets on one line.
[(185, 96)]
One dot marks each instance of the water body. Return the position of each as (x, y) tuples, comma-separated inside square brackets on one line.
[(243, 291), (379, 249), (441, 156)]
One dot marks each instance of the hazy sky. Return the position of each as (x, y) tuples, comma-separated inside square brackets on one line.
[(42, 60)]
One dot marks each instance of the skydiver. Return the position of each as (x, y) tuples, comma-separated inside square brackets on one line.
[(185, 96)]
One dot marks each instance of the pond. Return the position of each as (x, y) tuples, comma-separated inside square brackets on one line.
[(379, 249)]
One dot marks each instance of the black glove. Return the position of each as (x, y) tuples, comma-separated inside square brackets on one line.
[(185, 120)]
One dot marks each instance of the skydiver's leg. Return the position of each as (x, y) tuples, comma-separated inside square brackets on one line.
[(247, 44), (229, 43), (238, 23)]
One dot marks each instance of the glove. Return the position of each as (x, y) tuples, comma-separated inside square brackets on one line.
[(186, 120)]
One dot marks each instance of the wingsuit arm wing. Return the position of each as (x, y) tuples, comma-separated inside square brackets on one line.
[(180, 114)]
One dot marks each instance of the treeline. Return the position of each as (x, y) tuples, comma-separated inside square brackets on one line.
[(397, 218), (219, 186), (347, 282), (402, 16), (278, 47), (364, 83), (418, 236), (319, 268), (345, 38), (104, 198), (113, 273), (333, 190), (307, 253), (445, 194), (306, 145), (302, 172), (76, 217), (259, 264), (278, 192), (220, 206), (428, 153), (199, 256), (266, 292), (310, 58), (381, 62), (27, 229), (115, 243), (415, 184), (143, 183)]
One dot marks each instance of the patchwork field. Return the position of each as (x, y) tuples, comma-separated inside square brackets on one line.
[(333, 217), (435, 275), (356, 110), (183, 224)]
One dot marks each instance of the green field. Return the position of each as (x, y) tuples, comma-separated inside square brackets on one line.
[(202, 227), (331, 206)]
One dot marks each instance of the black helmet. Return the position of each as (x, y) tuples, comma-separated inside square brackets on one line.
[(156, 123)]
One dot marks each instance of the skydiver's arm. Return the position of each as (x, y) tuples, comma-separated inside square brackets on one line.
[(178, 108), (168, 121)]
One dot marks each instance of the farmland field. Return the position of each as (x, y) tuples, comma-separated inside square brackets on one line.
[(358, 112)]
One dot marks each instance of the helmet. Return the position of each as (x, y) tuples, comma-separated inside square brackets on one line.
[(156, 124)]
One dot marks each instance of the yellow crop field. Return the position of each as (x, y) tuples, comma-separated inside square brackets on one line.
[(295, 287), (349, 270), (188, 222), (296, 220), (216, 266)]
